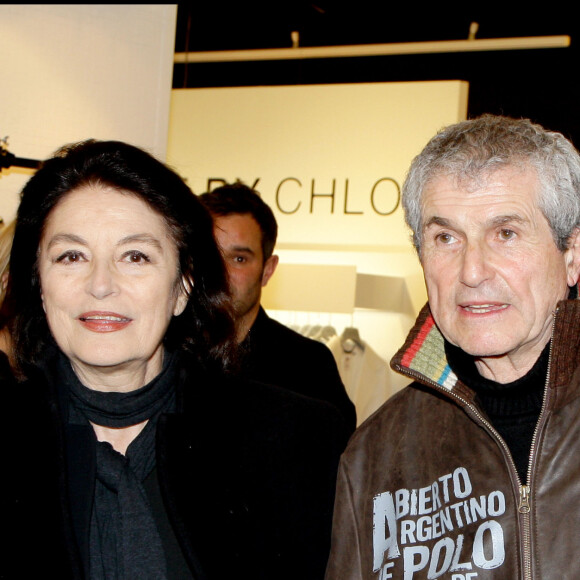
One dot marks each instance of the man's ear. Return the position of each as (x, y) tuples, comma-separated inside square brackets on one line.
[(269, 268), (573, 258)]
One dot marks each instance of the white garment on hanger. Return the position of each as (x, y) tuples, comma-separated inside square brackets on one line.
[(365, 375), (326, 333)]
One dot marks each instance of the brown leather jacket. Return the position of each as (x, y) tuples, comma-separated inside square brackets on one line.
[(427, 488)]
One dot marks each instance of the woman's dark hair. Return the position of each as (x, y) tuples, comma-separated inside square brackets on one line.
[(205, 328)]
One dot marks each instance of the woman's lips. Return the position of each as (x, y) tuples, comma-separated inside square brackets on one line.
[(104, 321)]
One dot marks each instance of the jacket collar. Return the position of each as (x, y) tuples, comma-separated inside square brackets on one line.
[(422, 356)]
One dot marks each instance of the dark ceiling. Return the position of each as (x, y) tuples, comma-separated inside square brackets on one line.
[(541, 84)]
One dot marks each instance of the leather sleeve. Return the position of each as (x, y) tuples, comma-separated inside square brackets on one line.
[(345, 559)]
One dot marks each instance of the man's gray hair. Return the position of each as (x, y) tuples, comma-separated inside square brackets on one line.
[(472, 149)]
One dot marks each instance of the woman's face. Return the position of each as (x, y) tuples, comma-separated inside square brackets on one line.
[(110, 285)]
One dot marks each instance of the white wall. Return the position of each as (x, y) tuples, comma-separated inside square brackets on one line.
[(72, 72), (340, 140), (328, 160)]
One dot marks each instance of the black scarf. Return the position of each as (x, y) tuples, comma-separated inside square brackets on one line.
[(112, 409), (124, 541)]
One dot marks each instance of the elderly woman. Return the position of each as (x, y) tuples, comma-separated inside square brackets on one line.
[(129, 451)]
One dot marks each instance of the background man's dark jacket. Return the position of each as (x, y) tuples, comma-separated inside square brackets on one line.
[(277, 355)]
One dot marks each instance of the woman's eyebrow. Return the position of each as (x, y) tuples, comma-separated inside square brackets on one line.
[(133, 238), (70, 238), (140, 238)]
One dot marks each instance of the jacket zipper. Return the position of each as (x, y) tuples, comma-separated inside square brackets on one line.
[(524, 491), (525, 518)]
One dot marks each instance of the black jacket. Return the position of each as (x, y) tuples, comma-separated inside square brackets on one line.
[(246, 471), (277, 355)]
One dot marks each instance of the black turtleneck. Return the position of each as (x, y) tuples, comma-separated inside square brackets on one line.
[(129, 528), (512, 408)]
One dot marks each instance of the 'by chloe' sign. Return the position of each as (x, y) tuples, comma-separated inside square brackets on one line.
[(292, 195), (328, 159)]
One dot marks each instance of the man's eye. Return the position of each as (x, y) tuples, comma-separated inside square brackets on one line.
[(506, 234), (445, 238), (239, 259)]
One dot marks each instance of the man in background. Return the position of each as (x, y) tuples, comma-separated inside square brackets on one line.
[(246, 230)]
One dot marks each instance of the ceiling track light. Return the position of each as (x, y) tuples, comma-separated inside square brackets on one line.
[(357, 50)]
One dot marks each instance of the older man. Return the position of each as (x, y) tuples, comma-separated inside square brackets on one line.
[(473, 471)]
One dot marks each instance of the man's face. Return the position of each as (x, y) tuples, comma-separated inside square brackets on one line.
[(492, 268), (240, 239)]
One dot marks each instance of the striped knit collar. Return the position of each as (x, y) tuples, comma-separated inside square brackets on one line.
[(422, 356), (424, 353)]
